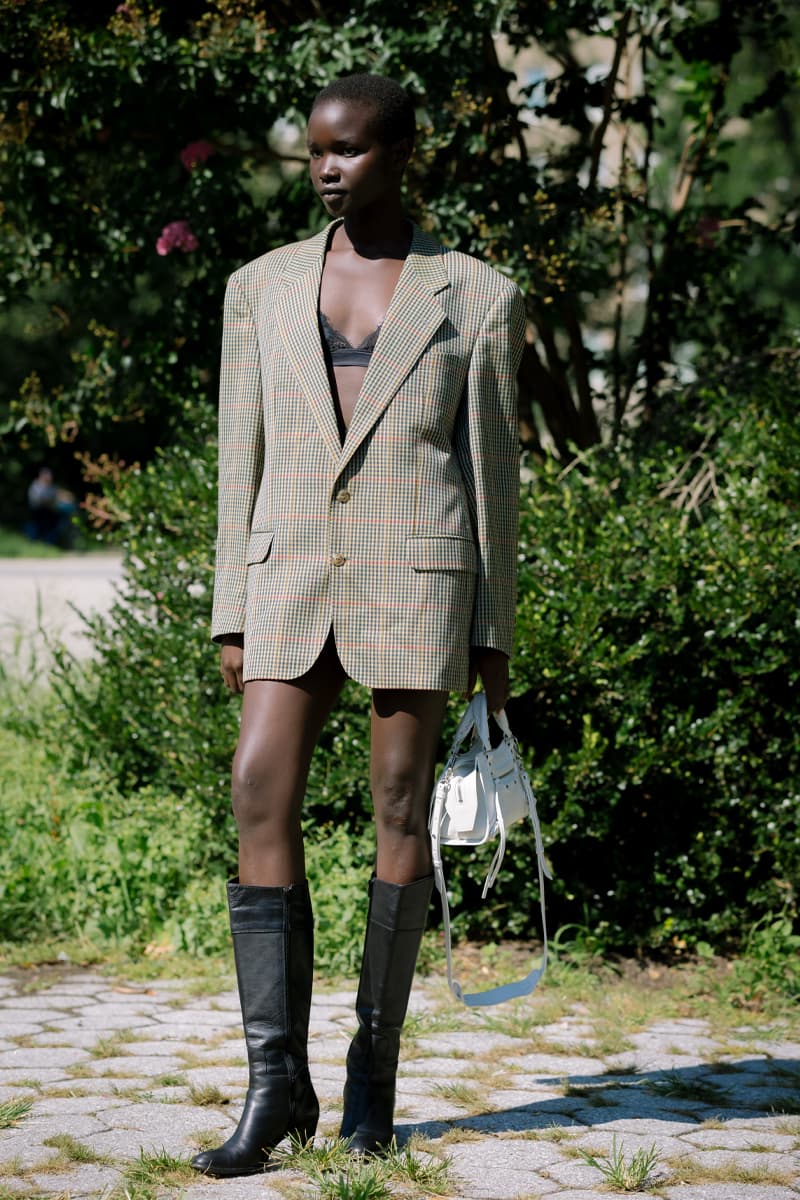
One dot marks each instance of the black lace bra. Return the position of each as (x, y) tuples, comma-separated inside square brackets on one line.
[(342, 353)]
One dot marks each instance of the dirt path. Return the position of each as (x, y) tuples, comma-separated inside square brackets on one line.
[(36, 599)]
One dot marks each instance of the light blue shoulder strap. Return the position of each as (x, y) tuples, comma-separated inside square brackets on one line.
[(522, 987)]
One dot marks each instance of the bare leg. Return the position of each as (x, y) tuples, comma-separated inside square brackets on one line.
[(281, 722), (405, 734)]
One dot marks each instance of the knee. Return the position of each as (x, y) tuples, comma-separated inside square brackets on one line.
[(400, 805), (256, 795)]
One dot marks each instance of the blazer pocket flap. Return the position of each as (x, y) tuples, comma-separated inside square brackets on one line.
[(441, 554), (259, 545)]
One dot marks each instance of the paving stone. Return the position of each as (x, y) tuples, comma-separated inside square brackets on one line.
[(110, 1022), (503, 1174), (165, 1048), (24, 1072), (18, 1147), (751, 1159), (575, 1173), (600, 1140), (517, 1120), (180, 1119), (86, 1179), (128, 1065), (727, 1191), (435, 1068), (778, 1050), (14, 1029), (578, 1069), (100, 1114), (87, 1085), (251, 1187), (196, 1018), (739, 1139), (39, 1126), (655, 1126), (19, 1004), (57, 1106), (580, 1194), (81, 1039)]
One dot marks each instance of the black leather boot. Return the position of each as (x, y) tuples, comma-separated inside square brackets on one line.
[(273, 943), (395, 924)]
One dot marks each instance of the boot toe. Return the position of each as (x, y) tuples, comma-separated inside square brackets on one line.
[(209, 1163), (368, 1142)]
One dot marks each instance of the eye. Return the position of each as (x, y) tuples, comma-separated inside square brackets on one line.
[(313, 152), (350, 151)]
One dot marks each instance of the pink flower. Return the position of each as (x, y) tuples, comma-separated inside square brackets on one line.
[(197, 152), (176, 236)]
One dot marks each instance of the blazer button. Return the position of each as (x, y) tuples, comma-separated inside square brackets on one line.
[(343, 496), (338, 560)]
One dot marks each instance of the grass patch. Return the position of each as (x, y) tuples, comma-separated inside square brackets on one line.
[(206, 1094), (459, 1093), (337, 1175), (17, 545), (12, 1112), (590, 1093), (171, 1079), (146, 1175), (783, 1105), (454, 1137), (679, 1087), (688, 1170), (624, 1174), (73, 1151), (113, 1044)]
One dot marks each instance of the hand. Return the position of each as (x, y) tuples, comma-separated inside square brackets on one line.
[(231, 662), (492, 666)]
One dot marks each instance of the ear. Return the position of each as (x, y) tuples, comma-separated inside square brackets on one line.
[(401, 152)]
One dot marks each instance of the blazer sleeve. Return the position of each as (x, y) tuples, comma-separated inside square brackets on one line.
[(241, 458), (487, 448)]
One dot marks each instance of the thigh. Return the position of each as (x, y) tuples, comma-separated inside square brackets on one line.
[(282, 720)]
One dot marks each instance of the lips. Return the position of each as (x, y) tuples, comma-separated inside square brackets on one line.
[(333, 192)]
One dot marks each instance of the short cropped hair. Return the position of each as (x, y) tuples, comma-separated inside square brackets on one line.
[(391, 103)]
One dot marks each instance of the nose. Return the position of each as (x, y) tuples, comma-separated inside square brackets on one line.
[(328, 169)]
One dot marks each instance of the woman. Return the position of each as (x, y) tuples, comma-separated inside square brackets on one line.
[(368, 509)]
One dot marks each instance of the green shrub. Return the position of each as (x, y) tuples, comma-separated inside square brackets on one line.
[(79, 860), (655, 684), (656, 678)]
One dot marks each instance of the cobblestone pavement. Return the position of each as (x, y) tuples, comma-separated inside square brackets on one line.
[(117, 1072)]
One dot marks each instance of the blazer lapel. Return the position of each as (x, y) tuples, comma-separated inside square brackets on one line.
[(298, 325), (413, 316)]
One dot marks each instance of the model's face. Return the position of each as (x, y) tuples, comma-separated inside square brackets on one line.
[(351, 169)]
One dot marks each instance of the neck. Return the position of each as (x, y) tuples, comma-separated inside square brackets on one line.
[(380, 232)]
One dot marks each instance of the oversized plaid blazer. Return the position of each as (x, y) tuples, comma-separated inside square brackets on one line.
[(404, 539)]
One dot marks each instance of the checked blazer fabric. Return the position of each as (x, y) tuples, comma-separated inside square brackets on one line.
[(404, 538)]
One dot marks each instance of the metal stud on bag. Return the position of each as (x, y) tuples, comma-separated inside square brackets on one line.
[(482, 791)]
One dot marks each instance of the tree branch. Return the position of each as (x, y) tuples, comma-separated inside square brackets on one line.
[(608, 96)]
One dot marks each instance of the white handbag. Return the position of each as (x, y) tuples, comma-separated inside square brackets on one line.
[(480, 793)]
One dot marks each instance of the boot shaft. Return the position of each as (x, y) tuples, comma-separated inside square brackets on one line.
[(273, 945)]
